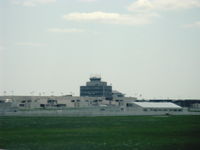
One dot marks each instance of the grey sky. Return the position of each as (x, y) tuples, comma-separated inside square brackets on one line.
[(148, 47)]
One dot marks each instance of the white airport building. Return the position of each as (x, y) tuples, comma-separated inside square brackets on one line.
[(102, 102)]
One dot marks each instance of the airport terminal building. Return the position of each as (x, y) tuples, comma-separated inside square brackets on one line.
[(96, 99)]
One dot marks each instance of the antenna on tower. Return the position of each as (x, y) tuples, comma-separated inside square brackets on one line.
[(95, 75)]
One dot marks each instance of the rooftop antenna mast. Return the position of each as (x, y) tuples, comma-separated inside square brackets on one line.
[(95, 75)]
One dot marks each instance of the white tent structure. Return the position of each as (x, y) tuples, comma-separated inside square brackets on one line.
[(154, 106)]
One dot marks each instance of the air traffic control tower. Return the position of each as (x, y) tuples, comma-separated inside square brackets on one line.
[(96, 88)]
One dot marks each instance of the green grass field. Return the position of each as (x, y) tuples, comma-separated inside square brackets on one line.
[(100, 133)]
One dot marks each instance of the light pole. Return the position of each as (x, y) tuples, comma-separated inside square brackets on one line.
[(4, 92)]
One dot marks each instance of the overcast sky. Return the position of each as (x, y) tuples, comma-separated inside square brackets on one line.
[(148, 47)]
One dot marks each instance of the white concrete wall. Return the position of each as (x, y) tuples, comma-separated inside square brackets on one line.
[(90, 112)]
